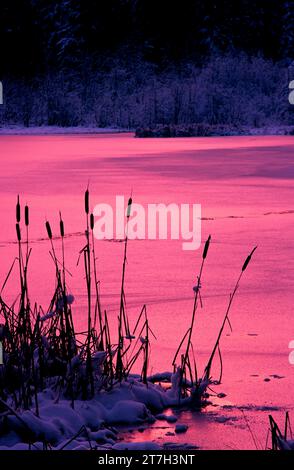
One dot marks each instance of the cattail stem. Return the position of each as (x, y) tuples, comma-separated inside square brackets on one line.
[(87, 265), (185, 357), (123, 319), (98, 303), (216, 346), (61, 227)]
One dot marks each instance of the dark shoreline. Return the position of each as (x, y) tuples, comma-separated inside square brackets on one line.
[(206, 130), (160, 131)]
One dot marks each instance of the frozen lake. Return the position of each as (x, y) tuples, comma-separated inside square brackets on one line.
[(245, 187)]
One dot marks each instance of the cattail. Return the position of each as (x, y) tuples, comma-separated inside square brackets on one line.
[(61, 227), (248, 259), (129, 207), (92, 221), (18, 210), (48, 228), (87, 201), (27, 215), (206, 246), (18, 232), (61, 224)]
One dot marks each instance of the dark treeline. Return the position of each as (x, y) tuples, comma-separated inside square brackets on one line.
[(38, 35), (136, 62)]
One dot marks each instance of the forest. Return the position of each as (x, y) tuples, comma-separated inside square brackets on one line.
[(129, 63)]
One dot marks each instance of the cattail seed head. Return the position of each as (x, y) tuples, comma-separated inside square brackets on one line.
[(61, 224), (248, 259), (18, 210), (48, 228), (27, 215), (206, 246), (87, 201), (92, 221), (18, 234), (129, 207)]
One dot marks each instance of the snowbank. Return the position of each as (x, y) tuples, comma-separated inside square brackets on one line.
[(89, 424), (53, 130)]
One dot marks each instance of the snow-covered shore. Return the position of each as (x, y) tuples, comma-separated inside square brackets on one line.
[(154, 132), (89, 424), (56, 130)]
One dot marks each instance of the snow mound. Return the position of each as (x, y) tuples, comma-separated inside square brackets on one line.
[(128, 412)]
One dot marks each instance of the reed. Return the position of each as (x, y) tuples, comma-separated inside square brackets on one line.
[(123, 322), (87, 266), (226, 320), (42, 347), (185, 363), (186, 367), (98, 311), (280, 438)]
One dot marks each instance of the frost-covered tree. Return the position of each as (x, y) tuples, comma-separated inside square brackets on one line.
[(61, 31), (287, 40)]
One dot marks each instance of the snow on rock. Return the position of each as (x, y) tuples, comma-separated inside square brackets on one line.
[(153, 398), (128, 412), (181, 428)]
